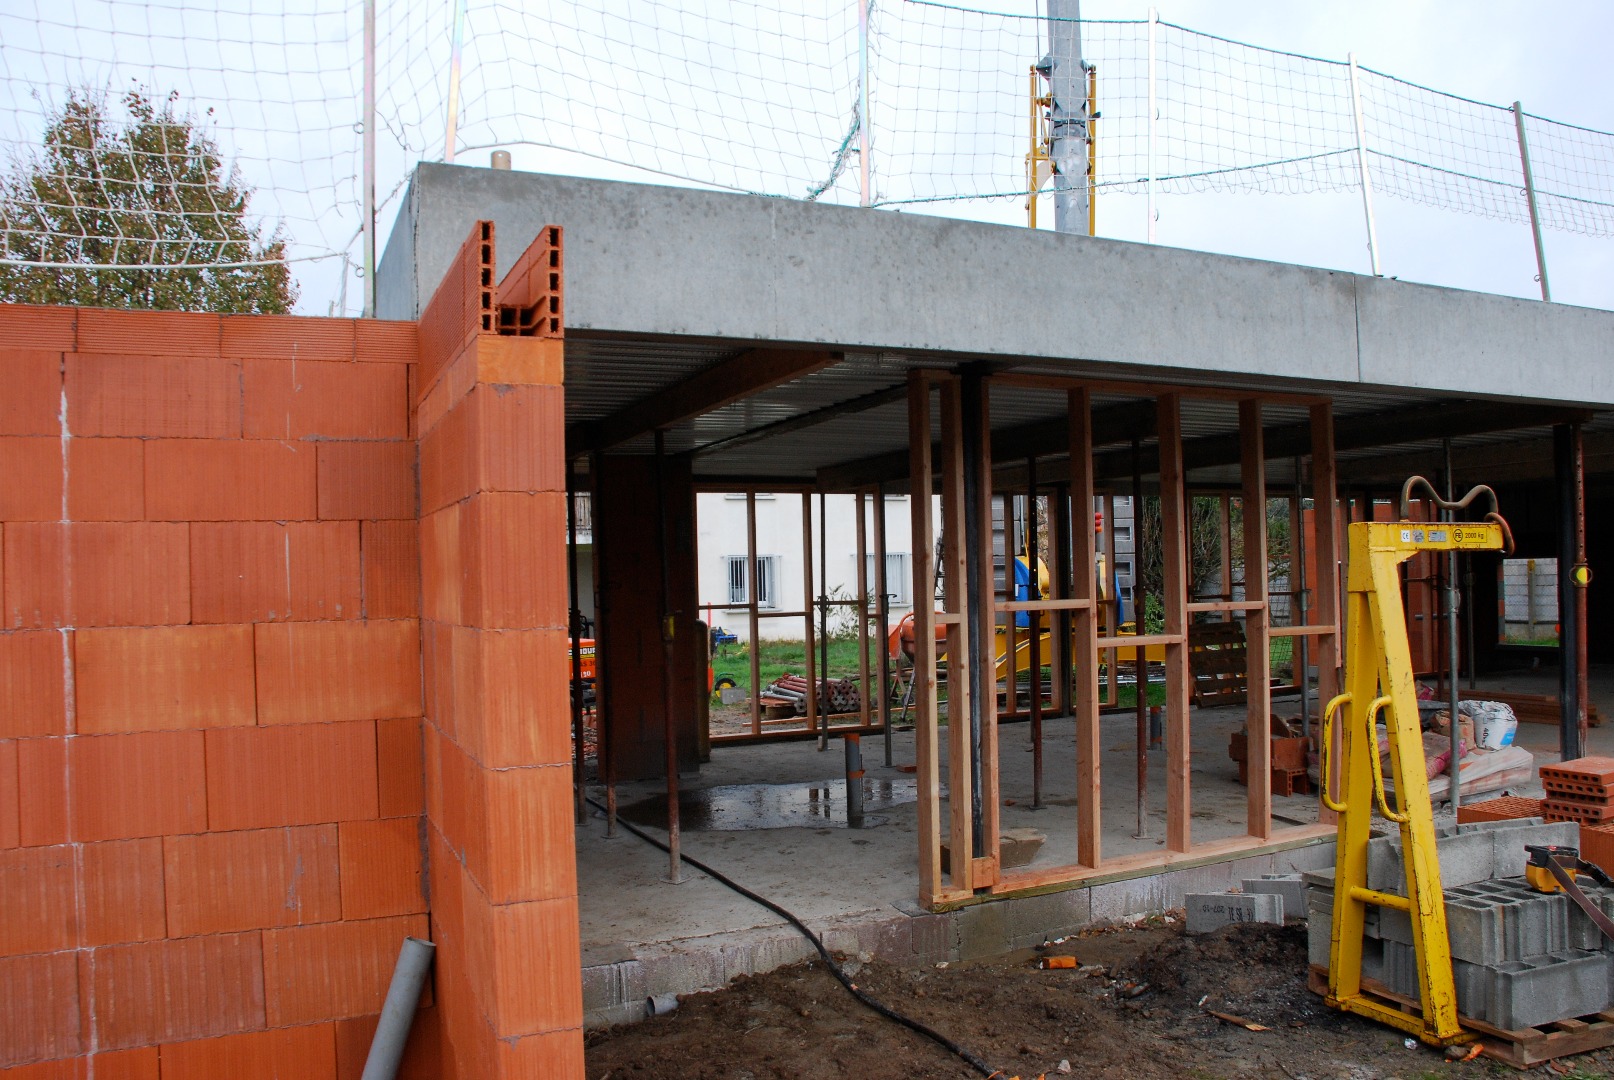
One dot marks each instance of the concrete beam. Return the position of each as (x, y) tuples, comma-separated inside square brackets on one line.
[(669, 262)]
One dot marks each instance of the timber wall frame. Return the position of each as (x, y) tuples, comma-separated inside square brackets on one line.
[(962, 458)]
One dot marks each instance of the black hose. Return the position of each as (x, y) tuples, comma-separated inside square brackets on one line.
[(829, 962)]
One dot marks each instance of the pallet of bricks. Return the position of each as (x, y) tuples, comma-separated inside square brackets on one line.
[(1582, 790)]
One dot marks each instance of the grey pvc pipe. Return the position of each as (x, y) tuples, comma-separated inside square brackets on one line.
[(398, 1013), (660, 1004)]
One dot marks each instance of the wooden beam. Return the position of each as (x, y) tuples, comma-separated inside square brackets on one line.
[(1084, 645), (1038, 438), (1258, 658), (1522, 459), (1325, 584), (723, 383), (1174, 560), (926, 755), (1435, 420), (987, 861), (961, 679)]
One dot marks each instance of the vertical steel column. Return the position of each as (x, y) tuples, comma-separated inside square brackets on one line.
[(977, 596), (753, 576), (1034, 629), (1067, 89), (824, 706), (1301, 644), (1570, 742), (1530, 195), (810, 631), (669, 724), (1453, 765), (1059, 634), (1361, 167), (367, 191), (1580, 579), (882, 609), (862, 612), (1140, 653), (603, 723), (575, 622)]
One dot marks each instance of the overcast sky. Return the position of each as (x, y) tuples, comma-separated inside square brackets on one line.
[(1554, 58), (606, 74)]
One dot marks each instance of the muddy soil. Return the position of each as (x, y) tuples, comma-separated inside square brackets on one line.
[(1135, 1008)]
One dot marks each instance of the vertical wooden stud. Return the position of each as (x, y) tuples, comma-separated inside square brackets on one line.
[(960, 678), (926, 755), (1325, 611), (1059, 639), (1084, 637), (808, 600), (1258, 722), (987, 863), (862, 611), (1081, 519), (1175, 584), (753, 623)]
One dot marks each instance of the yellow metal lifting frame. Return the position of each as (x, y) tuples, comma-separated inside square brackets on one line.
[(1379, 680)]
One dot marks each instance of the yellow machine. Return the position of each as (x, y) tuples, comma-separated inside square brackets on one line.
[(1379, 682)]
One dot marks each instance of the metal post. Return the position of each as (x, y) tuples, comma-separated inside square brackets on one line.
[(576, 621), (1361, 167), (1034, 626), (452, 127), (1580, 578), (1154, 23), (865, 161), (1067, 90), (823, 621), (976, 592), (1570, 743), (1302, 644), (669, 727), (1140, 662), (1451, 644), (882, 610), (854, 779), (1530, 196), (368, 190), (604, 731)]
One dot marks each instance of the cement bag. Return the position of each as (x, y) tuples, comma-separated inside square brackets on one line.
[(1494, 722)]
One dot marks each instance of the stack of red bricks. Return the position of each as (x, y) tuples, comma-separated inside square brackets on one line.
[(1580, 790)]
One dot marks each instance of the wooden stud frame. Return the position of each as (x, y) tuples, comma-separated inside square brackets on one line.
[(1079, 603)]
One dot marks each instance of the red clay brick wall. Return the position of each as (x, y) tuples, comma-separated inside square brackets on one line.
[(502, 849), (211, 780)]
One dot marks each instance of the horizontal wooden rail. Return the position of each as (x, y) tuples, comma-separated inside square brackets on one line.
[(1044, 605), (1302, 631), (1227, 605), (1140, 641)]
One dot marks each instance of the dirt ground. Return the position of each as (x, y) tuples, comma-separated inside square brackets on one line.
[(1136, 1007)]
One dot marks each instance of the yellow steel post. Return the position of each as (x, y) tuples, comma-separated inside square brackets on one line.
[(1379, 678)]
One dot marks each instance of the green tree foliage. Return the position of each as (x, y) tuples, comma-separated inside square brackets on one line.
[(150, 190)]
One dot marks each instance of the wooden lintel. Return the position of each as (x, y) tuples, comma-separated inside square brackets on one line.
[(723, 383)]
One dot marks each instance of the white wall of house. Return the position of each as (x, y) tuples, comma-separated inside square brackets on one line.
[(721, 527)]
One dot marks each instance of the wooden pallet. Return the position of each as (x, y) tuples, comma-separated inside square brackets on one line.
[(1218, 659), (1521, 1049), (1529, 708)]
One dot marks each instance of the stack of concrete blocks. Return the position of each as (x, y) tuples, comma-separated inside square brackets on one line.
[(1520, 958)]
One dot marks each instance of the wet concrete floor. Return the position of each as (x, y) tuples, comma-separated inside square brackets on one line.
[(815, 804)]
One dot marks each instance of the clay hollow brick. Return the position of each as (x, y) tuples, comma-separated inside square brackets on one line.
[(290, 774), (31, 404), (265, 571), (299, 399), (324, 671), (152, 678), (227, 881), (134, 573), (153, 395)]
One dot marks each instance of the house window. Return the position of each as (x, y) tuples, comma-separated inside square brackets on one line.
[(740, 581), (898, 577), (739, 496)]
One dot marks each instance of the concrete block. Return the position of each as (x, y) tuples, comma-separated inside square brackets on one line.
[(608, 986), (1288, 886), (983, 931), (1508, 844), (1212, 911), (1464, 858), (1036, 919), (1115, 900), (1321, 878), (1561, 986)]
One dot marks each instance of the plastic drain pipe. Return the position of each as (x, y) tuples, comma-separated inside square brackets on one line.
[(398, 1014)]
